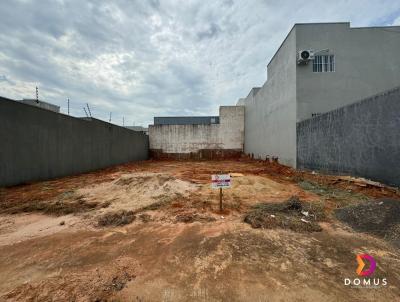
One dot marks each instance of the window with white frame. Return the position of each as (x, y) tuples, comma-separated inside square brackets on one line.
[(325, 63)]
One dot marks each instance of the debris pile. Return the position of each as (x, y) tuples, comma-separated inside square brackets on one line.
[(379, 217), (139, 191), (360, 181), (292, 214), (118, 218)]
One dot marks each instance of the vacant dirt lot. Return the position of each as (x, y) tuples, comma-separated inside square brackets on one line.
[(152, 231)]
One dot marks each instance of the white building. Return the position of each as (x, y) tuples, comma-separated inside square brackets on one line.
[(346, 64)]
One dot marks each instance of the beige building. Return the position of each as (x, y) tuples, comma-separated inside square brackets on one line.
[(199, 137)]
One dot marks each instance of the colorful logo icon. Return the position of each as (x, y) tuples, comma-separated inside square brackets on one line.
[(361, 265)]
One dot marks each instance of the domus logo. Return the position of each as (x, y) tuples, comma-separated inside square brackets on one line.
[(361, 265), (366, 267)]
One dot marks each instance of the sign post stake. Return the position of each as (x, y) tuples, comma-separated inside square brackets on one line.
[(220, 181), (220, 200)]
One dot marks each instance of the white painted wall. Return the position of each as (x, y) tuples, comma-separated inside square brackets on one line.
[(367, 63), (270, 115), (228, 134)]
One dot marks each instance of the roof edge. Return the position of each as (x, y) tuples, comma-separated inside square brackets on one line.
[(296, 24)]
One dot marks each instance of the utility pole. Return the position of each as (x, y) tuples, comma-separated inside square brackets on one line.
[(220, 200), (90, 113), (110, 118), (123, 121), (37, 94), (85, 112), (68, 105)]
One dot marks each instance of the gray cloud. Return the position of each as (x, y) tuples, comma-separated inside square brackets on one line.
[(144, 58), (212, 30), (3, 78)]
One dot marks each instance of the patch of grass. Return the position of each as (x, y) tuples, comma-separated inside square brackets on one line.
[(63, 208), (162, 201), (145, 217), (340, 197), (154, 206), (67, 194), (57, 208), (66, 203)]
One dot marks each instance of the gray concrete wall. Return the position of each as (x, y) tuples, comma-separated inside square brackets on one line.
[(361, 139), (41, 104), (270, 114), (38, 144), (179, 139), (367, 62), (231, 128)]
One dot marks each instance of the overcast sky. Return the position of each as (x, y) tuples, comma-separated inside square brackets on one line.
[(141, 59)]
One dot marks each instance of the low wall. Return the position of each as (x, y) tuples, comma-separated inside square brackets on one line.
[(38, 144), (361, 139), (198, 155), (201, 141)]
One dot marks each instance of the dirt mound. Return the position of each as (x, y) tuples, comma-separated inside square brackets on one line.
[(292, 214), (99, 284), (378, 217), (248, 190), (116, 218), (137, 191)]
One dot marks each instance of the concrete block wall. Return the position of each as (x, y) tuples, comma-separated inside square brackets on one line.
[(361, 139), (38, 144), (201, 141)]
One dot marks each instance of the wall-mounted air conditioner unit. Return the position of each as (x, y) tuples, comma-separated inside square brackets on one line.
[(304, 56)]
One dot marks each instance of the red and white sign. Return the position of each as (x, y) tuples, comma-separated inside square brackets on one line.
[(220, 181)]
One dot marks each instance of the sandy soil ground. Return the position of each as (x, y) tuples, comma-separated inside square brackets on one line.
[(179, 247)]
